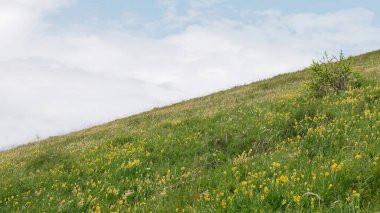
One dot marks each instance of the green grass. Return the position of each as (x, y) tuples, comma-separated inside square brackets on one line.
[(258, 147)]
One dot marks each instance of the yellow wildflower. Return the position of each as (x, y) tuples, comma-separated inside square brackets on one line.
[(283, 202), (297, 199), (266, 190), (98, 209), (223, 204), (336, 167), (284, 178), (276, 164), (355, 193), (206, 196)]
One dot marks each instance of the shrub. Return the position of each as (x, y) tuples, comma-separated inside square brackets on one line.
[(332, 74)]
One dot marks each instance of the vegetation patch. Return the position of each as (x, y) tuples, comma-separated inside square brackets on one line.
[(333, 74)]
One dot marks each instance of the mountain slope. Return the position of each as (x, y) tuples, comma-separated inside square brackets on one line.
[(259, 146)]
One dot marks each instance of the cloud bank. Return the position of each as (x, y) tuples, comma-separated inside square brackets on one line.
[(56, 80)]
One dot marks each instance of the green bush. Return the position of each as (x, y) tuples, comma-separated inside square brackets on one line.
[(332, 74)]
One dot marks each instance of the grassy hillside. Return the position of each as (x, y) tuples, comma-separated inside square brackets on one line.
[(263, 146)]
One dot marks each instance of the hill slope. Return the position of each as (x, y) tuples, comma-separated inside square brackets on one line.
[(259, 146)]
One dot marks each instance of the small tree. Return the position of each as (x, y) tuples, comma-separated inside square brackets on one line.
[(332, 74)]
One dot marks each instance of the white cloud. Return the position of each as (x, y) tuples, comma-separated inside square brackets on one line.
[(54, 83), (22, 15)]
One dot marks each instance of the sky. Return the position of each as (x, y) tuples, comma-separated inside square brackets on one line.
[(66, 65)]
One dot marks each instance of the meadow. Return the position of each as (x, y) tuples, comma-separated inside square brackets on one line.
[(262, 147)]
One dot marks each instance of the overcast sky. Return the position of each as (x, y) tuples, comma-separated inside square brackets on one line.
[(69, 64)]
